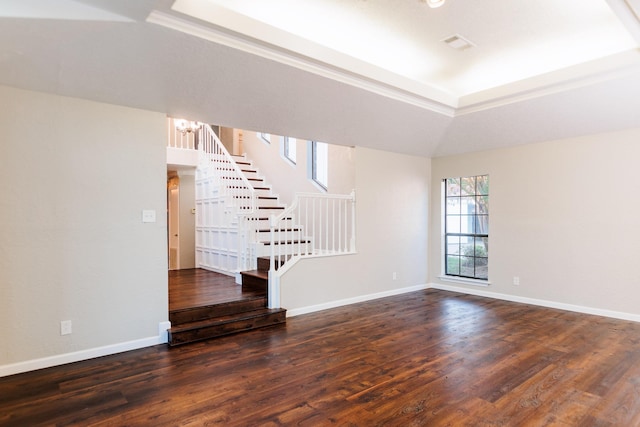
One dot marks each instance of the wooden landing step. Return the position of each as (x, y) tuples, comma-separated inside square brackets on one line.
[(214, 320), (258, 280), (195, 314), (224, 325), (255, 280)]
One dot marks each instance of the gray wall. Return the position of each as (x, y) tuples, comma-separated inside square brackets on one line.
[(281, 173)]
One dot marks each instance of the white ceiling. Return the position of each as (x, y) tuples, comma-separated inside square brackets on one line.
[(357, 72)]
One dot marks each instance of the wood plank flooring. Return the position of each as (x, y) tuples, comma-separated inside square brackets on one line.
[(428, 358), (197, 287)]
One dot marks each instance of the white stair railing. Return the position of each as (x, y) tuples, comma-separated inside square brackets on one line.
[(314, 225), (218, 168), (234, 184)]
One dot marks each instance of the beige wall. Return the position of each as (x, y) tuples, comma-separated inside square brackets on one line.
[(227, 138), (392, 197), (74, 178), (281, 173), (563, 218)]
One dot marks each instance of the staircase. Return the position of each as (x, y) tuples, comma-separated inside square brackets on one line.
[(258, 279), (213, 320), (218, 319), (243, 230), (251, 312)]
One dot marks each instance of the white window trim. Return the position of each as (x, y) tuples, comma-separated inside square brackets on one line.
[(283, 151), (464, 280), (310, 167), (265, 137)]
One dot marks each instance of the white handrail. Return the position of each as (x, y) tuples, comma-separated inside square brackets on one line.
[(314, 225), (234, 184), (239, 195)]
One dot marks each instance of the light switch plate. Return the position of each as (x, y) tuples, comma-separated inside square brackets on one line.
[(148, 215)]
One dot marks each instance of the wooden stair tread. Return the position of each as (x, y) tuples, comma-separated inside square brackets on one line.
[(259, 197), (233, 169), (257, 273), (221, 303), (225, 319), (225, 325), (265, 218), (264, 262), (264, 207), (209, 311), (255, 188), (286, 242)]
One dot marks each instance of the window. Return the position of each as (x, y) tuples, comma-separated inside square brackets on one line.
[(266, 137), (467, 227), (289, 148), (320, 163)]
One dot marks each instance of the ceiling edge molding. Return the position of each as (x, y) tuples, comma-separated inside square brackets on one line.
[(255, 47), (69, 10), (560, 85), (628, 12)]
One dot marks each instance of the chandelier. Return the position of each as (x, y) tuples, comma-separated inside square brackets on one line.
[(433, 3), (185, 126)]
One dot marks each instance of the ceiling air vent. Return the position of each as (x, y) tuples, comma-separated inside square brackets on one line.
[(458, 42)]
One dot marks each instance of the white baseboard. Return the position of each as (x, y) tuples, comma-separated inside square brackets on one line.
[(354, 300), (540, 302), (91, 353)]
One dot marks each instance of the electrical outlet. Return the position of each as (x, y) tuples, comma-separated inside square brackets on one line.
[(65, 327), (395, 276), (516, 280)]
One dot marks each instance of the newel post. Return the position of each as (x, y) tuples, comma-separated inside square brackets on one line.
[(273, 291)]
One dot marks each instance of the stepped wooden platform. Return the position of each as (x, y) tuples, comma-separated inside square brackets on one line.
[(204, 304)]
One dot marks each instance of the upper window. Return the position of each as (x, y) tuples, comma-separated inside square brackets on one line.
[(467, 226), (266, 137), (320, 163), (289, 148)]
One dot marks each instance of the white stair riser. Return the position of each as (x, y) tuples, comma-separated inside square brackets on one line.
[(290, 249), (259, 202), (264, 224), (265, 236)]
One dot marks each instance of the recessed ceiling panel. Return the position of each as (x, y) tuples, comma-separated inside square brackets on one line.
[(512, 40)]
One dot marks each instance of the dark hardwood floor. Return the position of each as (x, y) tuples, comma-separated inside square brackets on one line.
[(197, 287), (430, 358)]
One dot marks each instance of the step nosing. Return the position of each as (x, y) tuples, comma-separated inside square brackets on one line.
[(212, 322), (218, 305)]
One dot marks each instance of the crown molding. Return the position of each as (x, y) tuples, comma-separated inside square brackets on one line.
[(610, 68), (395, 87), (286, 57)]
